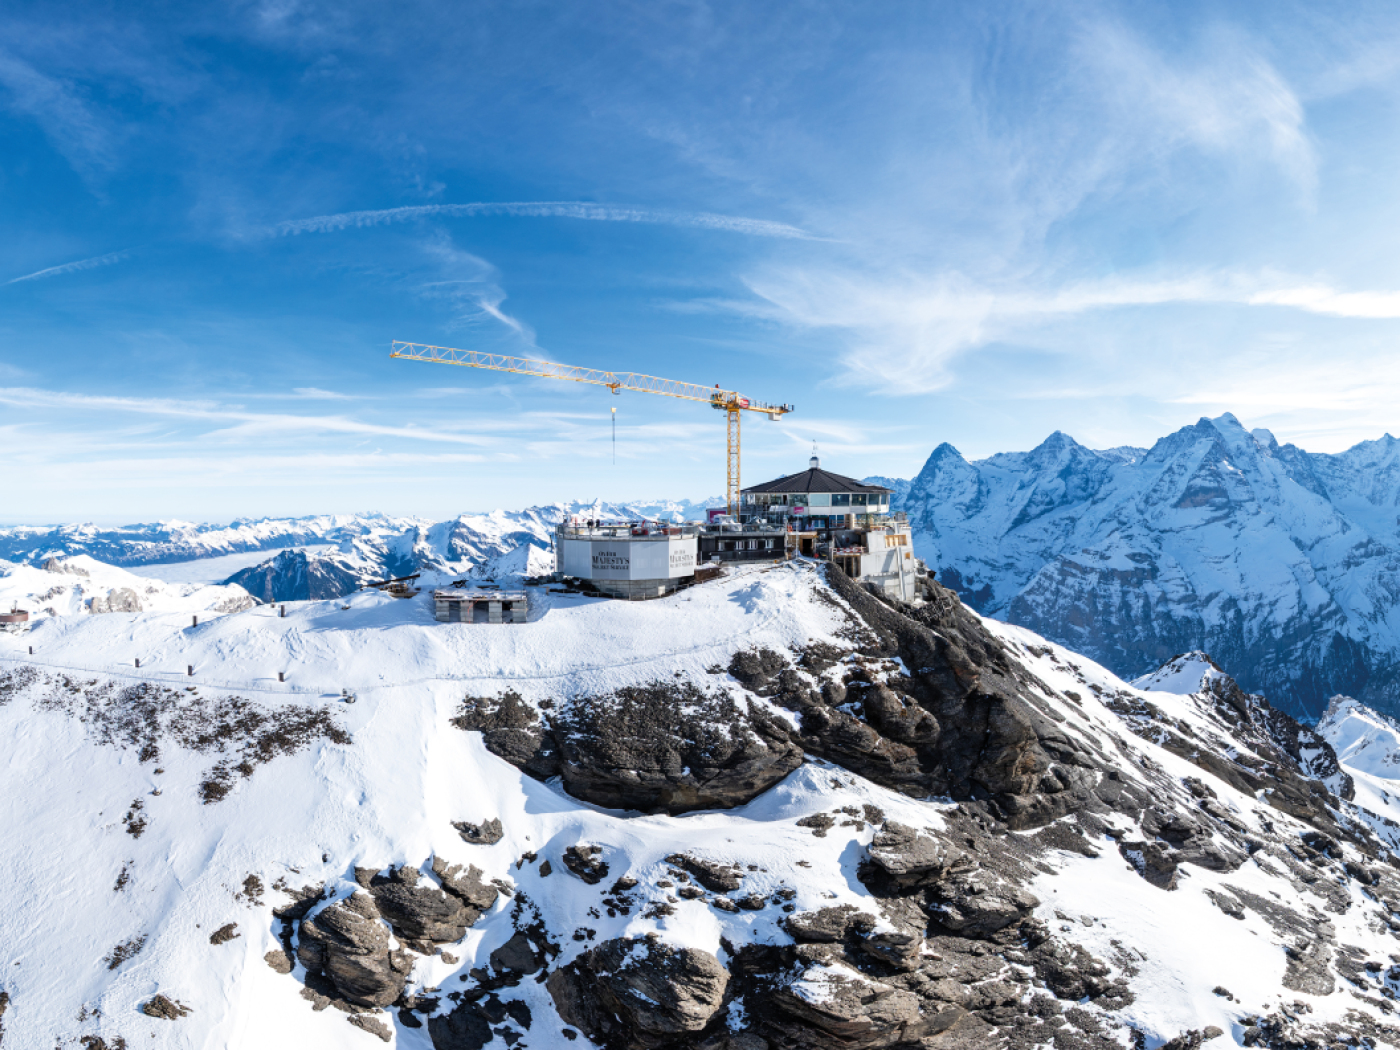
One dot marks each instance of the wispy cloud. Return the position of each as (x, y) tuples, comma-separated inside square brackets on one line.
[(242, 423), (541, 209), (904, 331), (75, 267), (471, 285), (59, 110), (1225, 99)]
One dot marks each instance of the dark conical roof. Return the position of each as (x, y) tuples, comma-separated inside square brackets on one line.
[(815, 479)]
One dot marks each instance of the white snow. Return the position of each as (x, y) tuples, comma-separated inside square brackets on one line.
[(72, 590), (391, 795)]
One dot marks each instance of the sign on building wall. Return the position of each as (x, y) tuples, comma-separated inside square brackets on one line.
[(624, 559)]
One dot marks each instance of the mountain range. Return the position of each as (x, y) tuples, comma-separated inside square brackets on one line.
[(1281, 563)]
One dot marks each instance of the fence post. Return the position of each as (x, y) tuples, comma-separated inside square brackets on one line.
[(189, 671), (138, 661), (281, 676), (196, 622), (282, 611)]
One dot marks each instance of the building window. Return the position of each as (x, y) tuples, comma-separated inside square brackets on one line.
[(840, 499), (820, 499), (768, 545), (858, 499)]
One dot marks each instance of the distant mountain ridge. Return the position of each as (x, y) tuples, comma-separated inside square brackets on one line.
[(368, 547), (1283, 564)]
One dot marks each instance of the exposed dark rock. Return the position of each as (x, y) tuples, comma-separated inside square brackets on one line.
[(279, 961), (224, 934), (1152, 862), (843, 1007), (487, 833), (349, 945), (978, 903), (968, 724), (820, 823), (467, 885), (421, 914), (587, 863), (518, 956), (640, 993), (909, 858), (164, 1008), (466, 1027), (373, 1025), (715, 876), (662, 747), (828, 925)]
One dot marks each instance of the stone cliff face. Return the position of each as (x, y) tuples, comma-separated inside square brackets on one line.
[(1284, 565)]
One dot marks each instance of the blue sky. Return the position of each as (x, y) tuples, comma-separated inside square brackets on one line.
[(974, 223)]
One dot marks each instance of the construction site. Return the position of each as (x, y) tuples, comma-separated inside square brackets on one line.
[(813, 514)]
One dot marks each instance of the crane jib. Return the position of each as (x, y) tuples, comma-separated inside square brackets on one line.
[(730, 401)]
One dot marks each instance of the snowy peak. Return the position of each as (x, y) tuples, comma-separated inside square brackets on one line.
[(1283, 564), (1188, 673), (1366, 741)]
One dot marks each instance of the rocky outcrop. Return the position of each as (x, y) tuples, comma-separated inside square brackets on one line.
[(965, 721), (662, 747), (164, 1008), (348, 944), (641, 994), (422, 914), (487, 833), (119, 599)]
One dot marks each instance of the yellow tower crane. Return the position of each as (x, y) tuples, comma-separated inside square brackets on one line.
[(728, 401)]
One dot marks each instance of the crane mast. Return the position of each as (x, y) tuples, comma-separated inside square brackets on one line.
[(731, 402)]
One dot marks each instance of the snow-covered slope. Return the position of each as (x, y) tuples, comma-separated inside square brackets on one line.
[(83, 585), (769, 811), (1283, 564), (1368, 746)]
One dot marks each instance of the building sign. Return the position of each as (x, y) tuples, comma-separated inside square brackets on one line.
[(609, 560), (627, 558)]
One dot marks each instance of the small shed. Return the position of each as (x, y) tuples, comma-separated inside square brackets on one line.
[(460, 606)]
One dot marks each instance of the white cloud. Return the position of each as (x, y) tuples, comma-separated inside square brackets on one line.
[(75, 267), (1228, 99), (902, 332), (241, 423), (541, 209), (57, 108), (470, 284)]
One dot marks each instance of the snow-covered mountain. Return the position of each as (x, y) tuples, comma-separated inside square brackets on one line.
[(1284, 564), (771, 811), (176, 541), (346, 551)]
